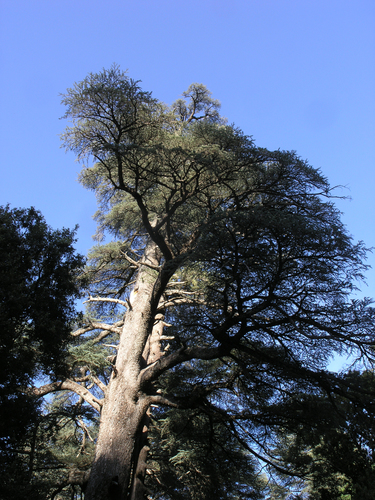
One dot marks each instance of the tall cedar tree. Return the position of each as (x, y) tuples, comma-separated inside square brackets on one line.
[(225, 289)]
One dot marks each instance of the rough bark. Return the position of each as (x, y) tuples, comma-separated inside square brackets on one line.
[(152, 352), (125, 406), (141, 449)]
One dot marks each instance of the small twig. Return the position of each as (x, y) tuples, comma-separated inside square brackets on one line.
[(82, 424)]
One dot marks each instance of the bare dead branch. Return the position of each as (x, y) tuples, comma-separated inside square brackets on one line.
[(96, 325), (105, 299)]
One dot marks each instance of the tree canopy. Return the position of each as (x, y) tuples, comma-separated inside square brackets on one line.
[(216, 305)]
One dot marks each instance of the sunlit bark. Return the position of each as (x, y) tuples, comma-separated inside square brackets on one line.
[(120, 446)]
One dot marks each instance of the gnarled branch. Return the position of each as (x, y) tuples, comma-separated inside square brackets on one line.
[(66, 385)]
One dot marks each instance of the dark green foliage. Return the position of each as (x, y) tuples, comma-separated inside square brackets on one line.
[(57, 445), (194, 456), (330, 443), (38, 267), (38, 270)]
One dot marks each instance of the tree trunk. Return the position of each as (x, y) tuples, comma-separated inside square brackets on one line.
[(138, 489), (125, 406), (152, 353)]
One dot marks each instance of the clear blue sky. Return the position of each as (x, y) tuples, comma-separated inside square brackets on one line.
[(295, 74)]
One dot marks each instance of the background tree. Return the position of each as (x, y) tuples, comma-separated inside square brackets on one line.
[(38, 271), (335, 452), (225, 290)]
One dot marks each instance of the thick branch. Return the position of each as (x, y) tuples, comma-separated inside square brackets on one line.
[(96, 325), (161, 400), (66, 385), (153, 371)]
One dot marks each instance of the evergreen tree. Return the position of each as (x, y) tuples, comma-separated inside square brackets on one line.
[(224, 290), (334, 453), (38, 272)]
